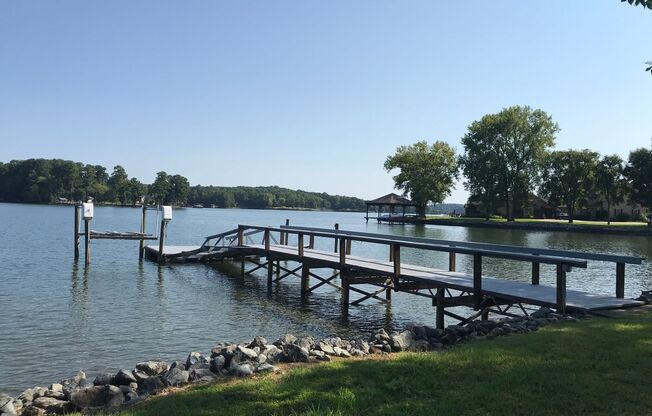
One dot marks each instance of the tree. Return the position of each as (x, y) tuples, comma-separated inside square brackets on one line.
[(639, 174), (179, 188), (644, 3), (503, 153), (569, 177), (427, 172), (118, 184), (160, 189), (610, 181)]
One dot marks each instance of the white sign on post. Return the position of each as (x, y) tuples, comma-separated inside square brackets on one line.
[(167, 212), (88, 210)]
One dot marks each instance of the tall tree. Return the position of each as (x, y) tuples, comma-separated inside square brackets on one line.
[(160, 189), (569, 177), (426, 172), (503, 153), (639, 174), (179, 188), (610, 181)]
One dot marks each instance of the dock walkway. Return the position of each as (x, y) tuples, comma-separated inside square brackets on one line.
[(447, 288)]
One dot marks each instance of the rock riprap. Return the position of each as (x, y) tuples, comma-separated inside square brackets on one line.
[(113, 391)]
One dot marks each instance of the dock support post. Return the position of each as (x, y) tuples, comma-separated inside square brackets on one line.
[(141, 246), (76, 235), (536, 271), (451, 261), (311, 242), (561, 289), (161, 241), (477, 280), (270, 272), (305, 279), (337, 227), (345, 291), (388, 292), (620, 280), (439, 302), (87, 240), (396, 256), (348, 246)]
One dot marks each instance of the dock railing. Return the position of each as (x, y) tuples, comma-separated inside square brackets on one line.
[(343, 246)]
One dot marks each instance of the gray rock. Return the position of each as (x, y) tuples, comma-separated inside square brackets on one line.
[(177, 364), (18, 405), (317, 353), (420, 345), (52, 405), (27, 395), (266, 368), (195, 358), (359, 353), (401, 341), (7, 405), (127, 389), (284, 340), (341, 352), (103, 379), (32, 410), (153, 368), (90, 397), (56, 387), (419, 332), (381, 335), (217, 363), (242, 370), (140, 375), (259, 342), (114, 397), (327, 348), (132, 398), (201, 375), (296, 354), (175, 376), (248, 353), (124, 377), (59, 395), (305, 342), (151, 385), (273, 353)]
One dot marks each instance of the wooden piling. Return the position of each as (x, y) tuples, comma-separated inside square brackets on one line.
[(141, 246), (536, 271), (305, 279), (337, 227), (620, 280), (477, 280), (76, 235), (396, 256), (561, 288), (270, 272), (348, 246), (451, 261), (87, 240), (439, 302), (161, 241), (300, 245)]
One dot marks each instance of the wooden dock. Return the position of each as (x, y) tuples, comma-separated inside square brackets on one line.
[(446, 288)]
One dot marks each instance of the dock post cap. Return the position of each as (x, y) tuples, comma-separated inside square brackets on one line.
[(87, 208), (167, 212)]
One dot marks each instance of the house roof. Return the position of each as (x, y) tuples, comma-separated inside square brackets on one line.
[(391, 199)]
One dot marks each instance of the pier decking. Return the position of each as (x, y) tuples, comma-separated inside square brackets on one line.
[(447, 288)]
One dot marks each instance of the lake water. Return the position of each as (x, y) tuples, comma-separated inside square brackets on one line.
[(57, 317)]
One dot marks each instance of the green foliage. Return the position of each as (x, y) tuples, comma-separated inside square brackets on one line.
[(593, 367), (639, 174), (644, 3), (610, 182), (426, 172), (503, 153), (569, 177)]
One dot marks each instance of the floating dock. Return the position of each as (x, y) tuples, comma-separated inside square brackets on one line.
[(447, 288)]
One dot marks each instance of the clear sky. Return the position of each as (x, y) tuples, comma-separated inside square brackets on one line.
[(310, 94)]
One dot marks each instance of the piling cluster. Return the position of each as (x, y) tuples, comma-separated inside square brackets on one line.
[(112, 391)]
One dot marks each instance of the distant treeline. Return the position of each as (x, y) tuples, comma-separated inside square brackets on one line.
[(54, 180)]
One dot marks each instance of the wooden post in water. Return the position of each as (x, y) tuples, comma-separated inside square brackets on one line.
[(300, 245), (620, 280), (396, 256), (561, 288), (76, 235), (305, 279), (337, 227), (477, 280), (311, 242), (345, 292), (451, 261), (87, 240), (161, 241), (141, 247), (348, 246)]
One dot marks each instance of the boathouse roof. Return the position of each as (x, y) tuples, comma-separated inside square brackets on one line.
[(392, 199)]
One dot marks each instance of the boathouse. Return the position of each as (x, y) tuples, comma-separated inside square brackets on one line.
[(388, 204)]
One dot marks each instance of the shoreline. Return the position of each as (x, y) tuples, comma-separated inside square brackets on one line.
[(228, 361)]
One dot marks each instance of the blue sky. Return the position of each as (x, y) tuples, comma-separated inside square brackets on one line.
[(310, 94)]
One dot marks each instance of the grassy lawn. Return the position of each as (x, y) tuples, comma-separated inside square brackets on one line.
[(548, 221), (598, 366)]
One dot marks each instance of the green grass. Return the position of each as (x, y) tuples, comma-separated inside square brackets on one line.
[(547, 221), (598, 366)]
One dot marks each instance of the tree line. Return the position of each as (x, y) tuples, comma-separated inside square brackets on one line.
[(510, 155), (53, 180)]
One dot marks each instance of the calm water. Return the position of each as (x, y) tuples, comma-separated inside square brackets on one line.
[(57, 317)]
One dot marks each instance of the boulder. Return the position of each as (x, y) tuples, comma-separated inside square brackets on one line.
[(241, 370), (327, 348), (106, 396), (341, 352), (201, 375), (296, 354), (266, 368), (103, 379), (273, 353), (59, 395), (124, 377), (27, 395), (150, 385), (52, 405), (195, 358), (284, 340), (114, 397), (32, 410), (7, 405), (381, 335), (140, 375), (153, 368), (56, 387), (248, 353), (217, 363), (305, 342), (259, 342), (175, 376), (401, 341)]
